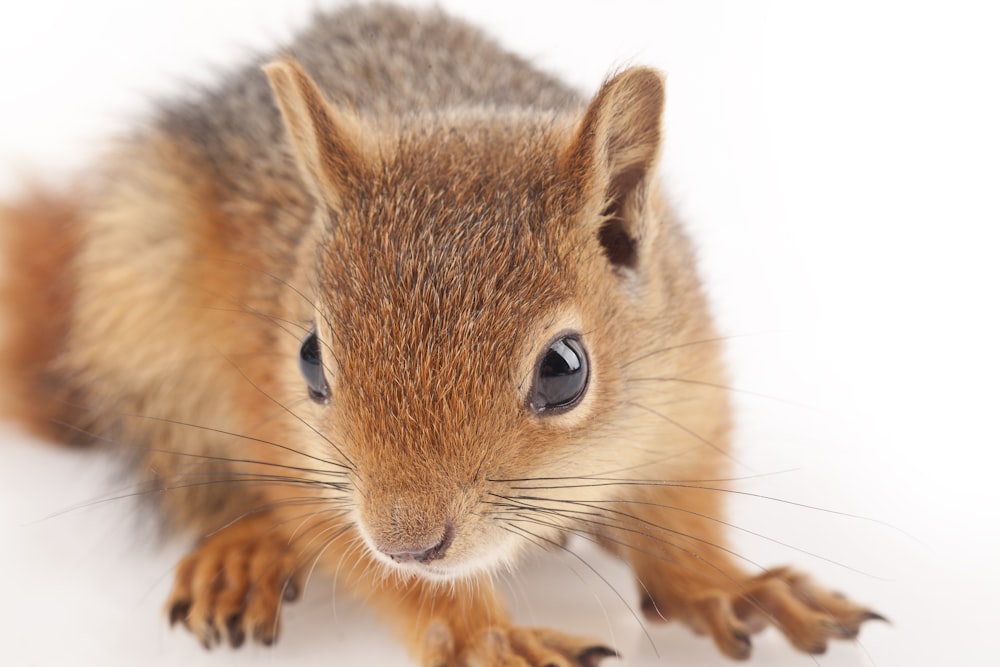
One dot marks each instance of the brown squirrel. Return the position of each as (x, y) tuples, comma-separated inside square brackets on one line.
[(399, 304)]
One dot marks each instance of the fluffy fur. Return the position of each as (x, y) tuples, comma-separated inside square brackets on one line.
[(438, 211)]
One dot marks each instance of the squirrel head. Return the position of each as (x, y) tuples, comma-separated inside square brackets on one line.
[(480, 280)]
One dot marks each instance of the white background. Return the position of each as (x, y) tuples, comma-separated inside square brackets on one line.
[(838, 164)]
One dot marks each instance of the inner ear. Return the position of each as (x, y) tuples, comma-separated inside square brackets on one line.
[(619, 246), (615, 152)]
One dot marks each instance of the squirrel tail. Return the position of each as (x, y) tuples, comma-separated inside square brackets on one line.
[(39, 237)]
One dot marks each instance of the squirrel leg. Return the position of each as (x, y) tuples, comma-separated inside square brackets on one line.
[(685, 571), (234, 583), (465, 625)]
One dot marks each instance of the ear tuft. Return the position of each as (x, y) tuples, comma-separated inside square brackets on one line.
[(326, 142), (616, 149)]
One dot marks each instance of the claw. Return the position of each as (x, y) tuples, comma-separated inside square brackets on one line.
[(179, 612), (265, 634), (592, 657), (875, 616), (230, 589), (843, 631), (817, 649), (290, 592), (234, 628), (743, 647), (216, 636), (651, 611)]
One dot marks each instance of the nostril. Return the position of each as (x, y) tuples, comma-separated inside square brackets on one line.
[(427, 554)]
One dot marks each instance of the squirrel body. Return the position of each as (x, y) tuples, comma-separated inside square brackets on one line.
[(400, 303)]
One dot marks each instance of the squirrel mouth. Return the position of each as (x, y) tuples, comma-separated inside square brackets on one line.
[(431, 558), (432, 571)]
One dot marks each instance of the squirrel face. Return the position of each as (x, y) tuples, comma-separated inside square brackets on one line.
[(474, 277)]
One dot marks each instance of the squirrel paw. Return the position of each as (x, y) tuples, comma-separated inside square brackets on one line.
[(233, 585), (807, 614), (512, 647)]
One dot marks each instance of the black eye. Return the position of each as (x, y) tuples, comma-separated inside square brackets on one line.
[(561, 376), (311, 365)]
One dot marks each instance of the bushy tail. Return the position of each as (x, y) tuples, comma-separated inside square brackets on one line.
[(39, 236)]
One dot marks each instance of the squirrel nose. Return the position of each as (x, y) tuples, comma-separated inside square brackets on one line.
[(425, 554)]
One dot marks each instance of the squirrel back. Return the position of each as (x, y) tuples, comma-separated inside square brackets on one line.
[(384, 63)]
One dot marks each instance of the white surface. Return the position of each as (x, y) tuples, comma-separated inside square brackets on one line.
[(838, 165)]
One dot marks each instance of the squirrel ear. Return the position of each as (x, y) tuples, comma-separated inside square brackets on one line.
[(614, 154), (325, 141)]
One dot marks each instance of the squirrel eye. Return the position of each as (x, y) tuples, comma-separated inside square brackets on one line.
[(311, 365), (561, 376)]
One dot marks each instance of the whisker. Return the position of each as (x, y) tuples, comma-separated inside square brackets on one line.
[(596, 573), (697, 436), (315, 307), (246, 309), (728, 524), (154, 488), (724, 387), (347, 527), (642, 533), (679, 346), (605, 482), (291, 412), (747, 595), (226, 459), (283, 282), (177, 422), (301, 501), (584, 535)]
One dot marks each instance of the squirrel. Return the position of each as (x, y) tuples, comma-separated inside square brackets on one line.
[(395, 303)]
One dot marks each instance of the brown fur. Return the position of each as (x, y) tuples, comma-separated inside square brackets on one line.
[(40, 238), (437, 232)]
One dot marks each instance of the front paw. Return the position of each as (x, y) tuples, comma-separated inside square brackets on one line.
[(511, 647), (233, 585), (806, 613)]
